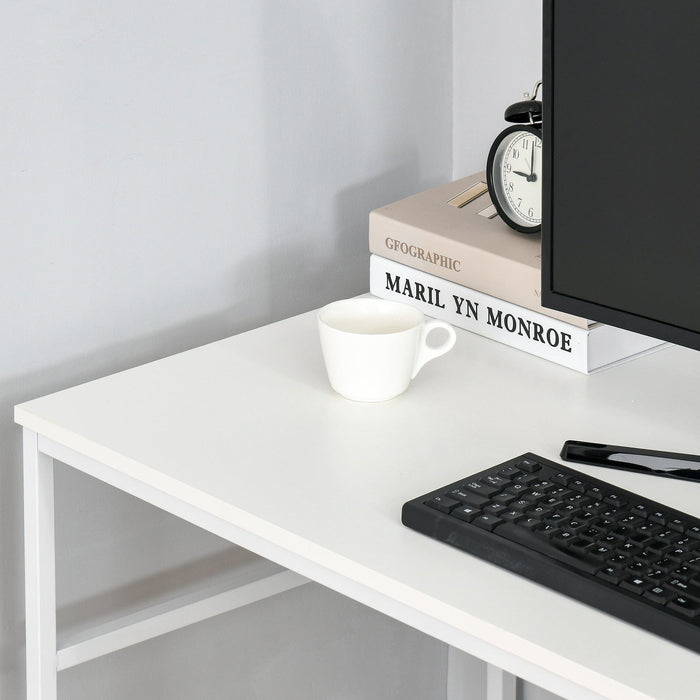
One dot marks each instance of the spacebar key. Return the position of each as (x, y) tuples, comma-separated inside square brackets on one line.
[(538, 543)]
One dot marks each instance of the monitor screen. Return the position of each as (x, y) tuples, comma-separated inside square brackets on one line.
[(621, 181)]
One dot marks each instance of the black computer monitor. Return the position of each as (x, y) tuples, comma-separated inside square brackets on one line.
[(621, 171)]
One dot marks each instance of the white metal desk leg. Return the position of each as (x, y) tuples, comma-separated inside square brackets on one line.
[(500, 685), (40, 571), (466, 676), (469, 678)]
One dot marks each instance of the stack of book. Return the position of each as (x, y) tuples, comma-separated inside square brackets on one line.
[(446, 252)]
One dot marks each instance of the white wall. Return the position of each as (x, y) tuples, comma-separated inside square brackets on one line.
[(497, 57), (172, 173)]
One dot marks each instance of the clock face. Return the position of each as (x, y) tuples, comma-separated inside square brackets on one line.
[(515, 177)]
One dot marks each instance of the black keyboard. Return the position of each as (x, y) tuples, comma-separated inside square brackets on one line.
[(607, 547)]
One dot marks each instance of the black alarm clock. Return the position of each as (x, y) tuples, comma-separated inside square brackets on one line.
[(514, 166)]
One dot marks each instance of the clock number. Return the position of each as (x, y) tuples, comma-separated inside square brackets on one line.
[(509, 167), (516, 153), (530, 212)]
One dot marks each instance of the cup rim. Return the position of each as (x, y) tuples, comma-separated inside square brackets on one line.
[(418, 315)]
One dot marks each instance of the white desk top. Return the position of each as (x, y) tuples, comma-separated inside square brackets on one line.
[(248, 430)]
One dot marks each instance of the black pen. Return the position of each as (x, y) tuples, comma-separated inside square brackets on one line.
[(671, 464)]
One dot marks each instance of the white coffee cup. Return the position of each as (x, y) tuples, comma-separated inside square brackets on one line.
[(373, 347)]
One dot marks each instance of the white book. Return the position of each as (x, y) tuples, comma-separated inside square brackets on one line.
[(586, 350)]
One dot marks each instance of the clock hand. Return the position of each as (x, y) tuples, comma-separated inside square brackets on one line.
[(532, 177), (517, 172)]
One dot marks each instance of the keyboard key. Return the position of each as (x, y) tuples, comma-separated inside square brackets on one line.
[(640, 509), (481, 488), (512, 515), (466, 496), (678, 554), (693, 532), (629, 547), (504, 499), (486, 521), (659, 594), (658, 546), (496, 481), (605, 524), (546, 529), (685, 606), (615, 500), (619, 558), (667, 535), (591, 533), (612, 513), (649, 528), (579, 545), (635, 584), (554, 518), (577, 485), (595, 492), (525, 479), (611, 574), (600, 551), (684, 572), (543, 485), (528, 465), (658, 576), (575, 525), (442, 503), (466, 513), (658, 517), (676, 524)]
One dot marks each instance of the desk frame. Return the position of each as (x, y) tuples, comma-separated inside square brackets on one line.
[(45, 659)]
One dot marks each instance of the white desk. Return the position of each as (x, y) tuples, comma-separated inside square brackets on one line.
[(245, 438)]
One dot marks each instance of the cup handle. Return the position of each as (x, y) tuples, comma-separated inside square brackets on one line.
[(425, 352)]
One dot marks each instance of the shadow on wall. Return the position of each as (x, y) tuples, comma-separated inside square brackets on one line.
[(324, 131), (306, 270)]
